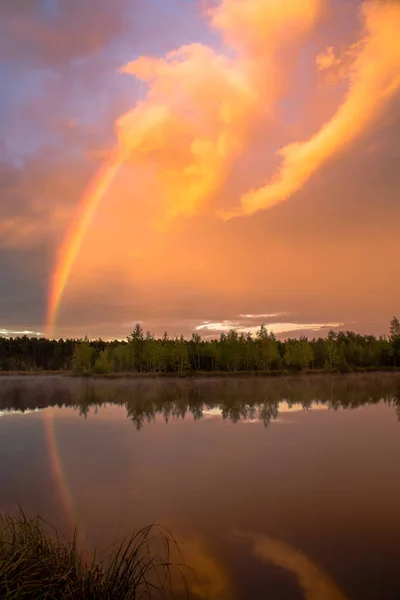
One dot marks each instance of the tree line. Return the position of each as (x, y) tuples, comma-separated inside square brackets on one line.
[(232, 352)]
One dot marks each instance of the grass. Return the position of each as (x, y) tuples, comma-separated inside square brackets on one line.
[(36, 563)]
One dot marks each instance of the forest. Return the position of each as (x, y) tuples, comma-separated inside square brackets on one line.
[(232, 352)]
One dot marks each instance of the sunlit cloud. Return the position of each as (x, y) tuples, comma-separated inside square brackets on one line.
[(257, 27), (194, 121), (12, 332), (226, 326), (187, 135), (374, 78), (263, 316), (334, 66), (327, 59)]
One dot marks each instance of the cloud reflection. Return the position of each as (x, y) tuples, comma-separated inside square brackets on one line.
[(315, 583)]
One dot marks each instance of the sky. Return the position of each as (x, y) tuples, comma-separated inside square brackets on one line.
[(198, 165)]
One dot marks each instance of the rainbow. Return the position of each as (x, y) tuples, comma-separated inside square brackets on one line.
[(72, 243)]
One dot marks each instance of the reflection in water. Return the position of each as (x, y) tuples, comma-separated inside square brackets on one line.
[(233, 399), (68, 503), (206, 578), (321, 482), (203, 576), (315, 584)]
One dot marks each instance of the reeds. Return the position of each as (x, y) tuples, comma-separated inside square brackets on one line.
[(36, 563)]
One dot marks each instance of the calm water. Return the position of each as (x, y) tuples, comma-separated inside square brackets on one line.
[(277, 488)]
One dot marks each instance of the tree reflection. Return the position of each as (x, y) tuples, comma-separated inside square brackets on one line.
[(234, 399), (268, 412)]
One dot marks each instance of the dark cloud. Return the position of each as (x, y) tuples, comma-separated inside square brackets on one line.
[(52, 32), (39, 197), (23, 287)]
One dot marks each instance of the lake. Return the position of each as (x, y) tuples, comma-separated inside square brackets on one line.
[(281, 488)]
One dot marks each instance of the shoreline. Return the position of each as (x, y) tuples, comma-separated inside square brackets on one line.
[(197, 374)]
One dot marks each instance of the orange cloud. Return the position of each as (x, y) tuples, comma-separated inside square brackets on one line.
[(186, 134), (374, 78), (327, 60), (195, 118), (335, 66), (259, 25)]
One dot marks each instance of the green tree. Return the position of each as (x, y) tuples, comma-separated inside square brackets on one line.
[(332, 350), (320, 352), (394, 328), (195, 351), (298, 353), (395, 340), (82, 357), (267, 349), (104, 363), (122, 357), (180, 356), (136, 341)]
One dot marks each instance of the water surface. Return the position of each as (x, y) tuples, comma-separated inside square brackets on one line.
[(282, 488)]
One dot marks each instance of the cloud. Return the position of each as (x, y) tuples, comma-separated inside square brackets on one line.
[(327, 60), (11, 333), (338, 66), (262, 316), (39, 197), (188, 137), (53, 33), (279, 328), (257, 26), (374, 79)]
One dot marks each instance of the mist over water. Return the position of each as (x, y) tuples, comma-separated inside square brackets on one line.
[(276, 487)]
